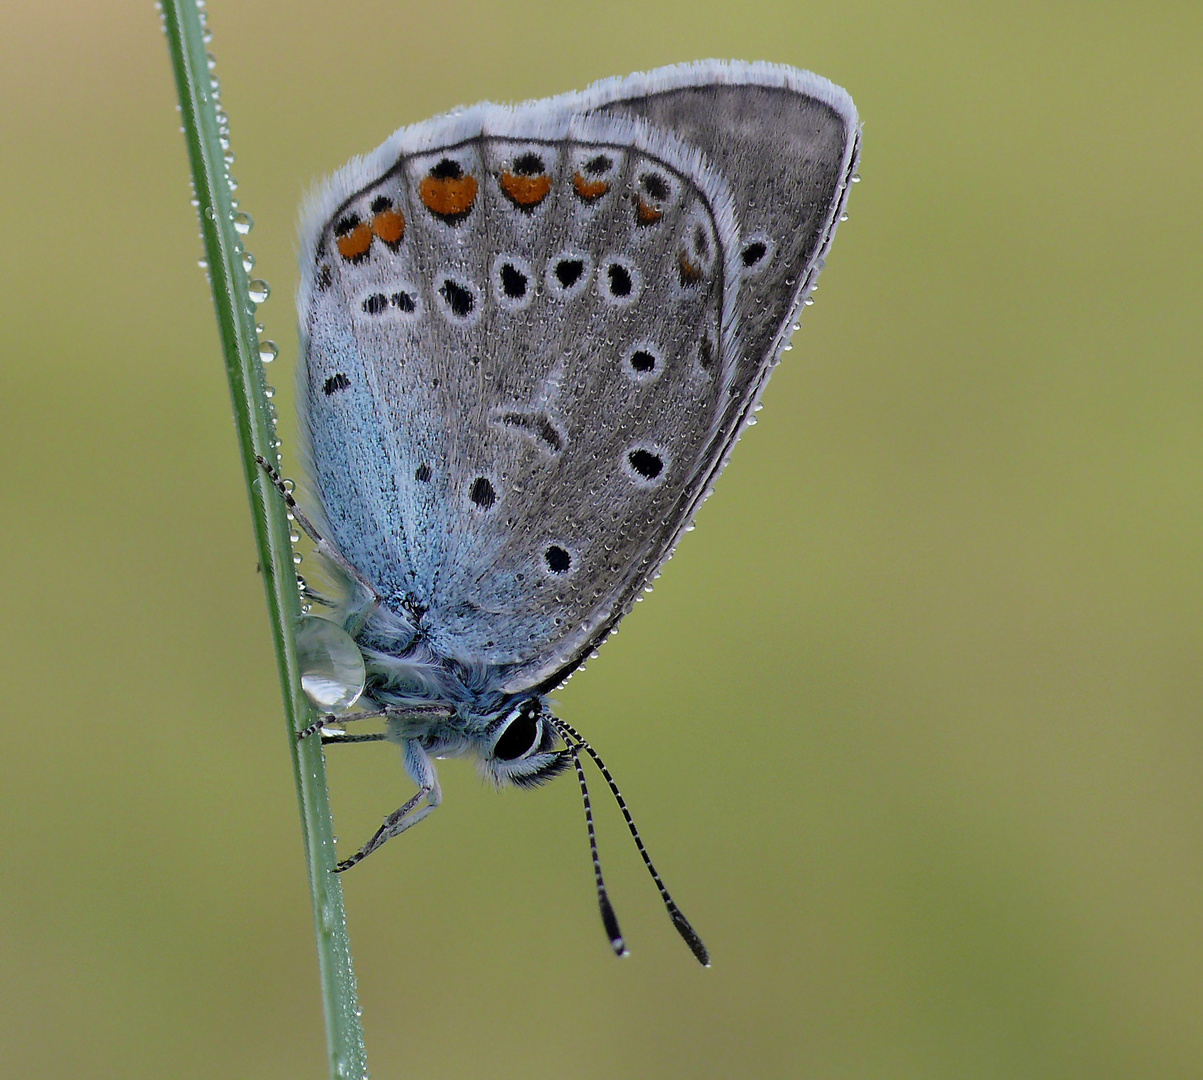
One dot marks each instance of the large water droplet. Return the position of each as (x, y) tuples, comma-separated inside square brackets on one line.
[(248, 261), (258, 289), (268, 351), (332, 671)]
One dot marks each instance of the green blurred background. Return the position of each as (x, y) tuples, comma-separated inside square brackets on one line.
[(911, 723)]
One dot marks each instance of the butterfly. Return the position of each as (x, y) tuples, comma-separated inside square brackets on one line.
[(530, 337)]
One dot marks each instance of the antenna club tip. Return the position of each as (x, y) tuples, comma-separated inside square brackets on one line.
[(690, 937), (610, 922)]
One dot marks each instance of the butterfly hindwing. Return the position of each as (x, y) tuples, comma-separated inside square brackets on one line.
[(532, 335)]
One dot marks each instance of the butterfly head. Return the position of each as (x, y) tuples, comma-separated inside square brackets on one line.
[(521, 746)]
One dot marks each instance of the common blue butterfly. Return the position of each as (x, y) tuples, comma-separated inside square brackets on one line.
[(530, 337)]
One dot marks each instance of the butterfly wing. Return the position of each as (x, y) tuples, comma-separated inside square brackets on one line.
[(531, 336)]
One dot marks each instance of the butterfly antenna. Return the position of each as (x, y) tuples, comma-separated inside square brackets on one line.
[(686, 931), (609, 919)]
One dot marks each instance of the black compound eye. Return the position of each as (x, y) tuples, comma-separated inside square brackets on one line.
[(518, 738)]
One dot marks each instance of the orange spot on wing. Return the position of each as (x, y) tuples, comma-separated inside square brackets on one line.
[(355, 244), (525, 191), (589, 189), (691, 273), (389, 225), (448, 197), (646, 214)]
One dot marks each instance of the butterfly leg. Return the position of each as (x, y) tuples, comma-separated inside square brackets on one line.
[(343, 737), (421, 768), (433, 712), (323, 545)]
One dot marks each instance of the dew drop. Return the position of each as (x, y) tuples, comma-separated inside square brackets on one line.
[(844, 216), (268, 351), (332, 671), (248, 261), (259, 290)]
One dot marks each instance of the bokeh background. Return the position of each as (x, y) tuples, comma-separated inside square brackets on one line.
[(911, 722)]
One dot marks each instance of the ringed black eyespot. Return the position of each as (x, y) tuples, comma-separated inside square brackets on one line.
[(754, 252), (513, 281), (459, 298), (645, 463), (482, 493), (619, 280), (569, 271), (656, 186), (529, 165)]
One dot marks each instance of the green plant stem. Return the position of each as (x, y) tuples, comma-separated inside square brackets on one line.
[(256, 437)]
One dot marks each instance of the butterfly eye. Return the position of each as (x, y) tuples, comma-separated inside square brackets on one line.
[(518, 738)]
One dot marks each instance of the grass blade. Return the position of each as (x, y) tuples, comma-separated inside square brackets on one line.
[(223, 228)]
